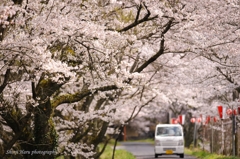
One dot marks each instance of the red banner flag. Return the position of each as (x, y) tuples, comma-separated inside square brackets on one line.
[(220, 111)]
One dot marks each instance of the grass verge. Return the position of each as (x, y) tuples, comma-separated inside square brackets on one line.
[(206, 155), (119, 153)]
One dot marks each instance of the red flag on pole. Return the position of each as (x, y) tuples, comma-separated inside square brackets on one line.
[(181, 119), (220, 111)]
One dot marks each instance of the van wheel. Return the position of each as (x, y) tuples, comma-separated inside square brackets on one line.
[(182, 155), (156, 156)]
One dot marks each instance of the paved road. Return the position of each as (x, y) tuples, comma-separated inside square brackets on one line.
[(146, 151)]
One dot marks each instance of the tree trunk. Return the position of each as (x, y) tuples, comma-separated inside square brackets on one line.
[(188, 135), (44, 132)]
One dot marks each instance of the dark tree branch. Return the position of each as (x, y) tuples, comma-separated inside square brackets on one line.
[(18, 124), (116, 140), (161, 50), (135, 115), (228, 78), (97, 155), (78, 135), (137, 22), (238, 89), (70, 98), (33, 90), (138, 13), (17, 1), (12, 142), (46, 87), (167, 26), (153, 58), (134, 64), (101, 133), (6, 78), (12, 121)]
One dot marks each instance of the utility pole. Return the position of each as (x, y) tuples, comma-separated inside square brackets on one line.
[(195, 135), (222, 147), (234, 133), (169, 117), (212, 137), (125, 133)]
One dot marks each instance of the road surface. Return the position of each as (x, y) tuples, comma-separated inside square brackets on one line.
[(146, 151)]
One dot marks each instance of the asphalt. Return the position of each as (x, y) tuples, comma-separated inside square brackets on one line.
[(142, 150)]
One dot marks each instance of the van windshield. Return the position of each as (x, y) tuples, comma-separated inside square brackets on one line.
[(169, 131)]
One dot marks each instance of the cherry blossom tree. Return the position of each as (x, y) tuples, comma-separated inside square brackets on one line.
[(64, 64), (71, 68)]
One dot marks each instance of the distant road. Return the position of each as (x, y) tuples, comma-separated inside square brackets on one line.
[(144, 150)]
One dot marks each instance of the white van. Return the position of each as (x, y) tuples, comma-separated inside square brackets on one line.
[(169, 140)]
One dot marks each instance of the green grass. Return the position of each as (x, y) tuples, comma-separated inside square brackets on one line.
[(206, 155), (119, 154)]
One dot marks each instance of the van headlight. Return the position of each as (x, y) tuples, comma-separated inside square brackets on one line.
[(157, 143), (180, 142)]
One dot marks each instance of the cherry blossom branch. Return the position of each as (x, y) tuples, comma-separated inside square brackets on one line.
[(78, 136), (220, 63), (134, 64), (161, 50), (71, 98), (135, 115), (88, 47), (226, 75), (137, 21), (222, 43)]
